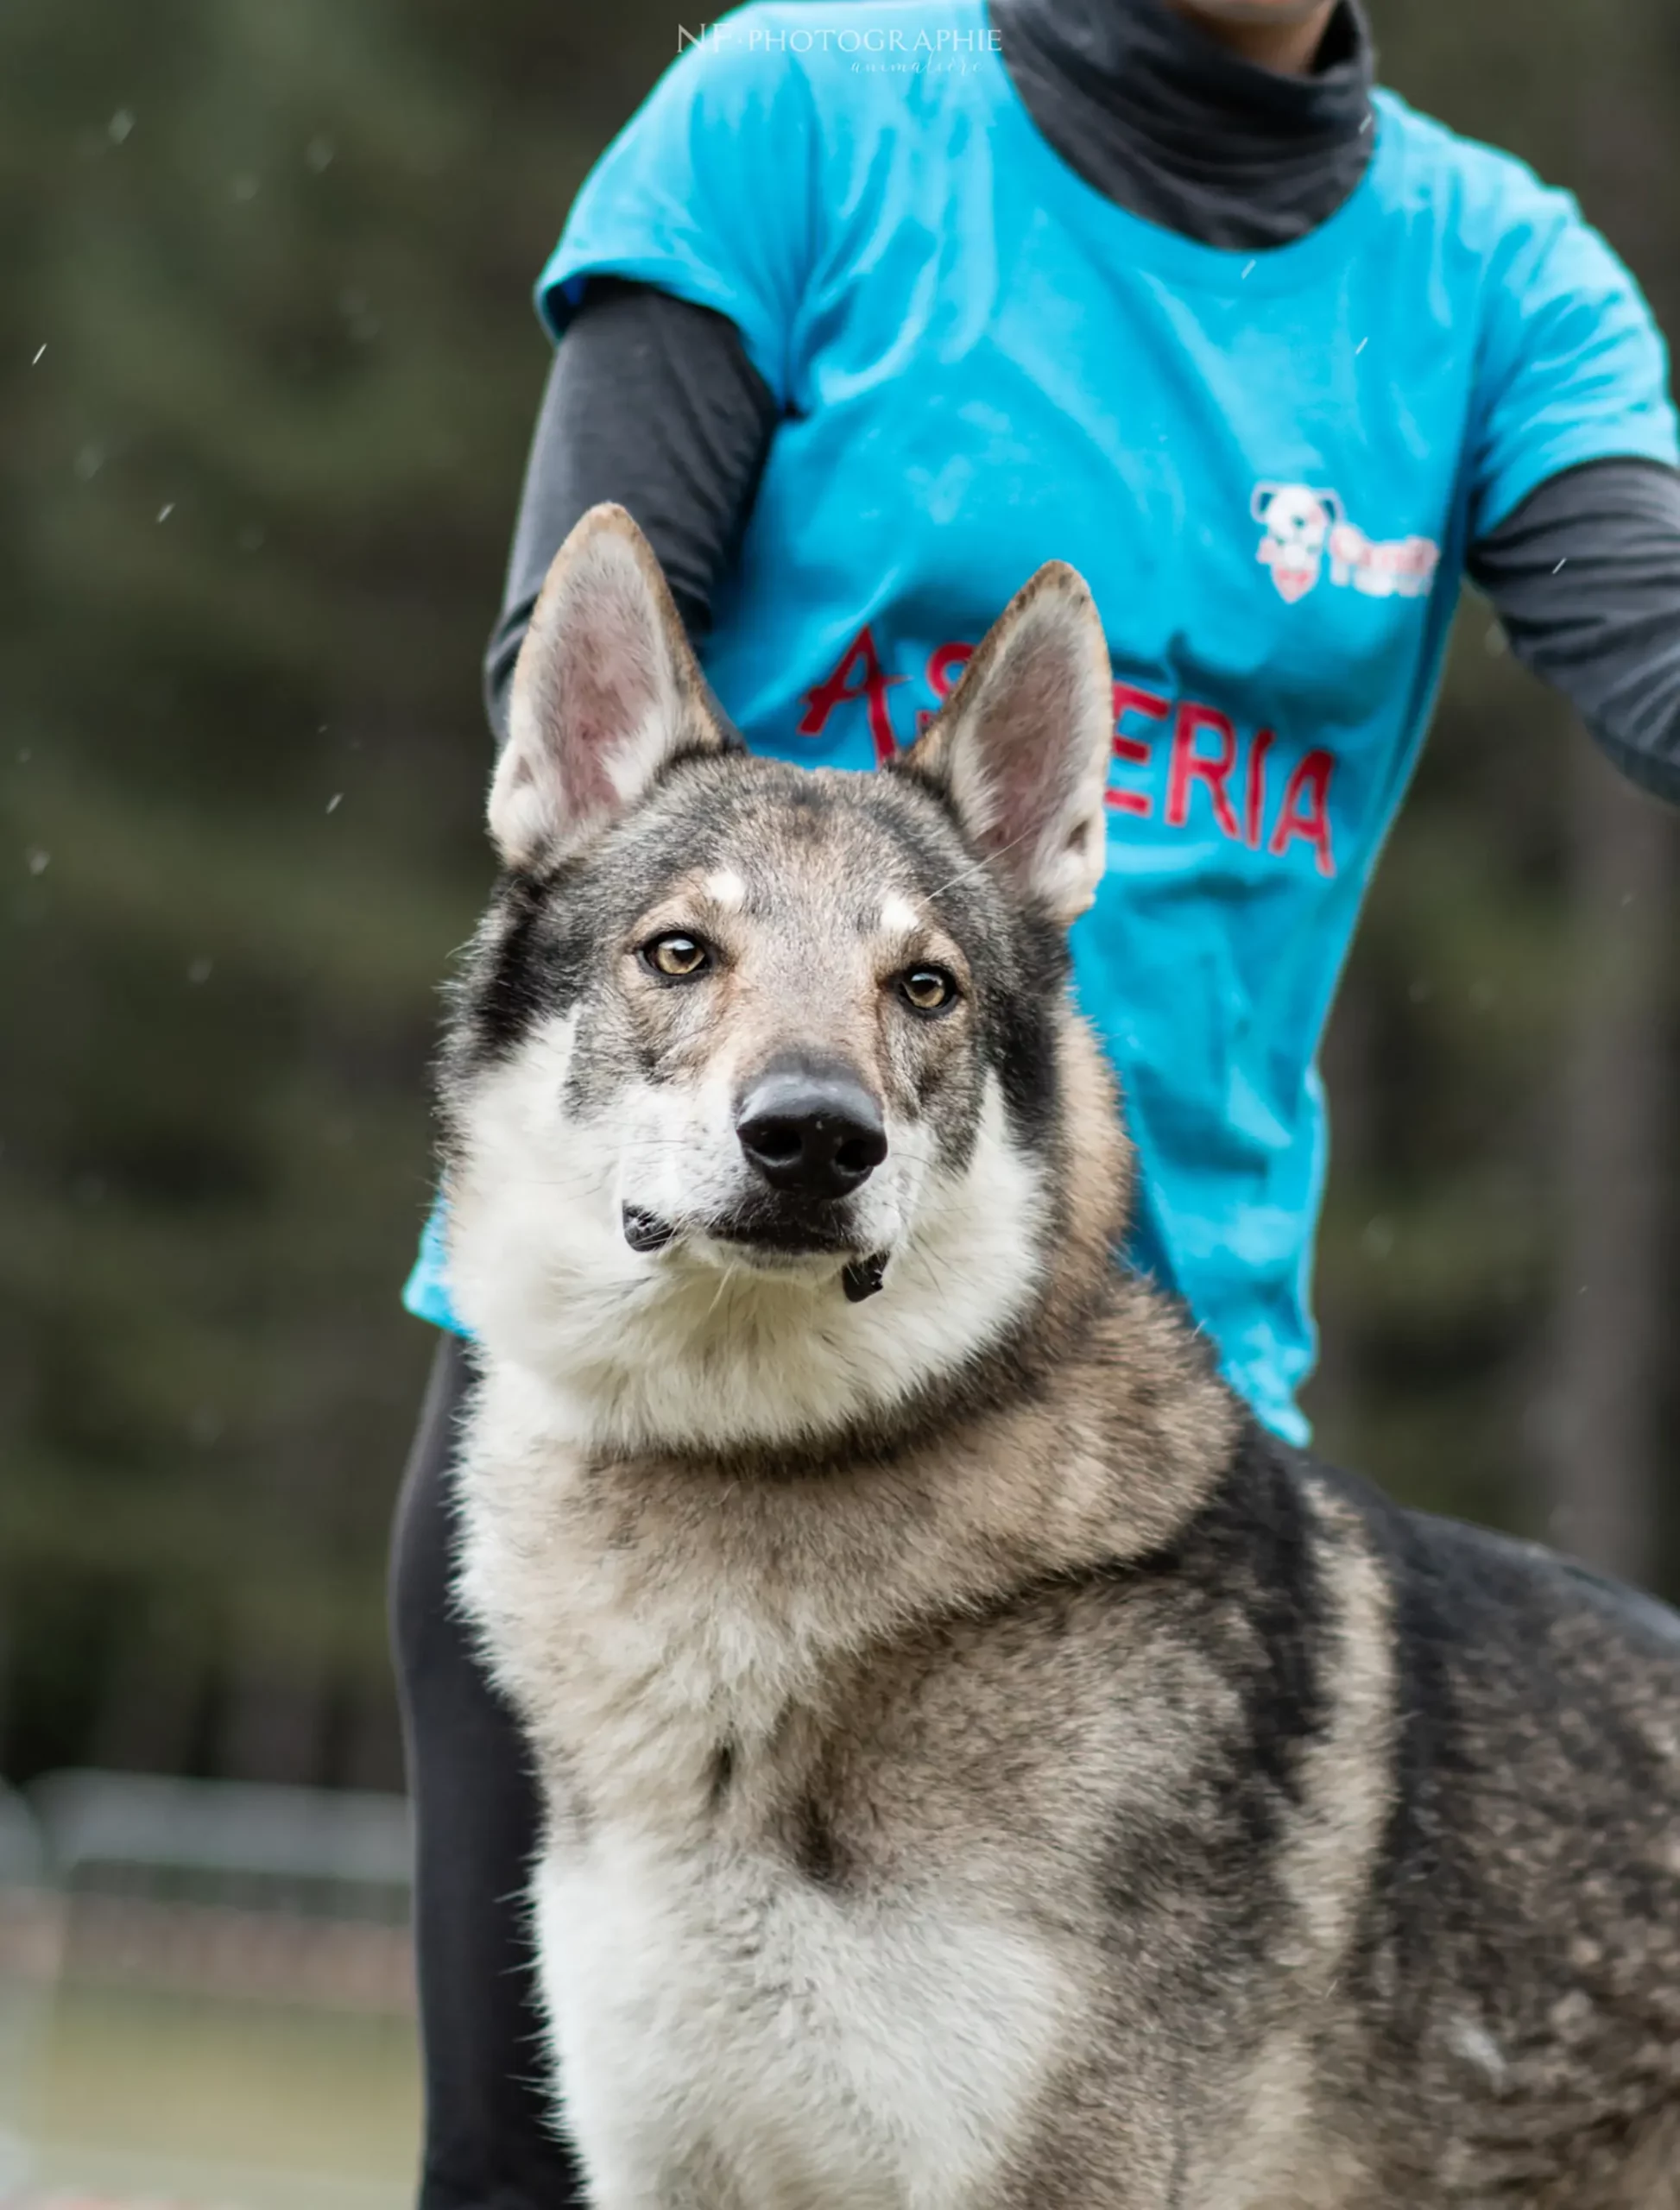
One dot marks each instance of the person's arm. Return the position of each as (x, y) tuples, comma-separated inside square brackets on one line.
[(677, 296), (1573, 467), (652, 402), (1585, 578)]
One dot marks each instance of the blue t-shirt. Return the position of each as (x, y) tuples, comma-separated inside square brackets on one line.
[(1267, 466)]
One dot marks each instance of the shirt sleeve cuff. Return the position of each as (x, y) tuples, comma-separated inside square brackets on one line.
[(1634, 437), (561, 289)]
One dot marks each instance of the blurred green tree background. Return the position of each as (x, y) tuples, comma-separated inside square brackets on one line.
[(269, 368)]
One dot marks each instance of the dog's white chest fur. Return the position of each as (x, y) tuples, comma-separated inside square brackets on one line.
[(730, 2035)]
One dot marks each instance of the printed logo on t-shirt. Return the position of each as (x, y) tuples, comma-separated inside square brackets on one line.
[(1302, 527)]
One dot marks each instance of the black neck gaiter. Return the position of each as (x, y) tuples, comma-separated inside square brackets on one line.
[(1155, 115)]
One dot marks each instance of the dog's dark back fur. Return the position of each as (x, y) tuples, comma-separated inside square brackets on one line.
[(1530, 1876)]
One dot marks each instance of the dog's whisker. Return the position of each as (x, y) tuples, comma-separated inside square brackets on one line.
[(974, 867)]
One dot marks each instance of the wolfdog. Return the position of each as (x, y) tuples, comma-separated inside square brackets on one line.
[(984, 1769)]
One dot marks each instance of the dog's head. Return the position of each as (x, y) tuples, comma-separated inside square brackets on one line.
[(765, 1108)]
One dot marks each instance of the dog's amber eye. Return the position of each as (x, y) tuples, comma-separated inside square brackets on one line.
[(927, 989), (676, 955)]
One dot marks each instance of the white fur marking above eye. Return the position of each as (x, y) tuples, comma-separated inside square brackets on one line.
[(898, 917), (725, 888)]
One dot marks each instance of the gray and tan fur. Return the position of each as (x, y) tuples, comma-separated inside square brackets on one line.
[(983, 1769)]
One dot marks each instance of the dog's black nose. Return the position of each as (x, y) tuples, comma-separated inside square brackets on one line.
[(813, 1131)]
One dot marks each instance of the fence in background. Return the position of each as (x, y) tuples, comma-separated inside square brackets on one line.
[(209, 1947), (28, 1968)]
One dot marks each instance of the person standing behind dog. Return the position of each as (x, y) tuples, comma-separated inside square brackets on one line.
[(873, 308)]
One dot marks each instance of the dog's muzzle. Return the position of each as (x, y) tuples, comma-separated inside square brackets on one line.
[(810, 1131), (811, 1135)]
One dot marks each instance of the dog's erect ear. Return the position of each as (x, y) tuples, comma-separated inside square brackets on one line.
[(606, 693), (1020, 749)]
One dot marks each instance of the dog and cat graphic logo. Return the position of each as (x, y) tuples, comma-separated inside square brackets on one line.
[(1302, 527)]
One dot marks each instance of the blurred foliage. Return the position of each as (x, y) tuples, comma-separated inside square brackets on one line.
[(277, 253), (268, 370)]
